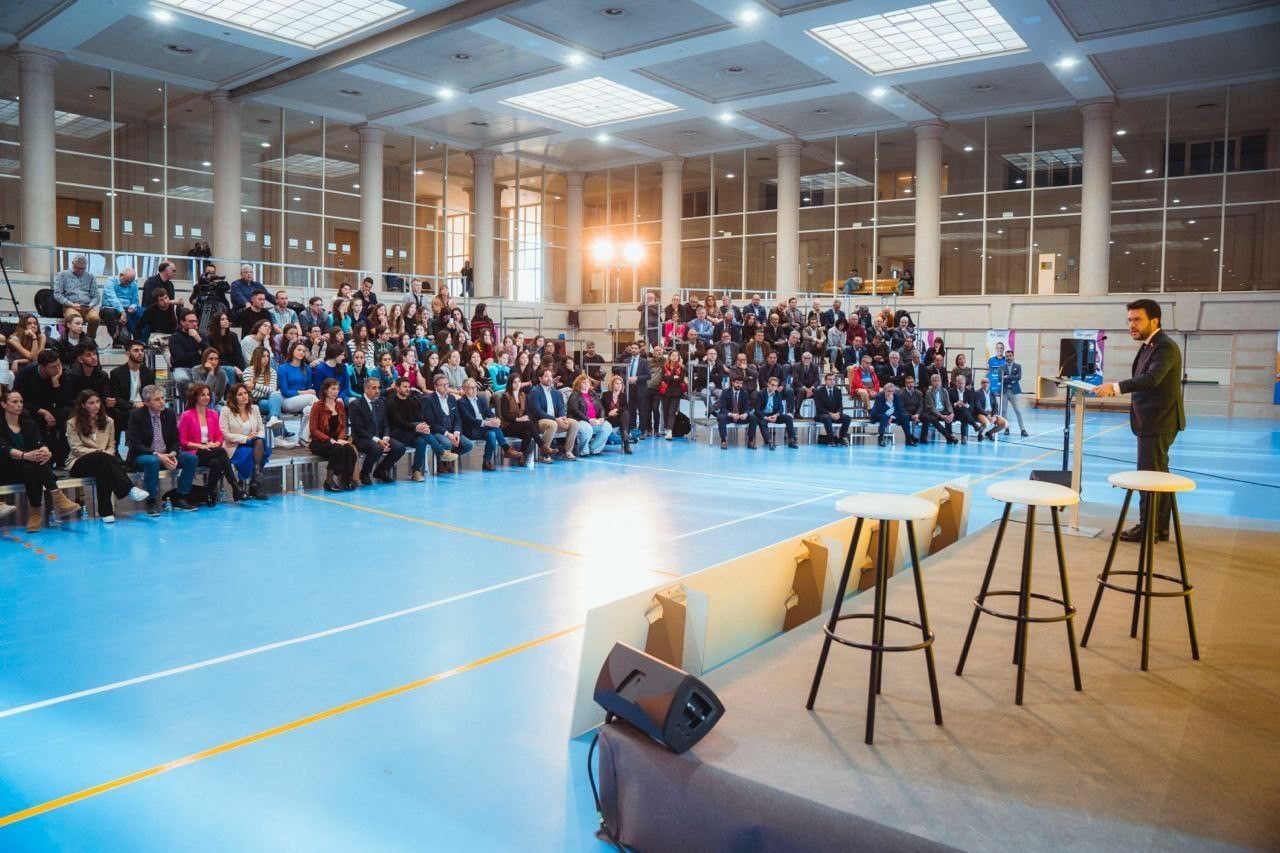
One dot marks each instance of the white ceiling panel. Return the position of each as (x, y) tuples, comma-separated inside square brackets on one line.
[(1211, 57), (968, 94), (613, 27), (1095, 18), (352, 94), (478, 127), (186, 53), (737, 72), (823, 115), (465, 60), (683, 137)]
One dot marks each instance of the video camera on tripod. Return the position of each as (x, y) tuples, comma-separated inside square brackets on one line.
[(8, 319), (209, 297)]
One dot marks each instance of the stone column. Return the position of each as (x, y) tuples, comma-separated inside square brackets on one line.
[(672, 202), (227, 166), (482, 221), (371, 151), (573, 240), (1095, 198), (788, 254), (38, 206), (928, 267)]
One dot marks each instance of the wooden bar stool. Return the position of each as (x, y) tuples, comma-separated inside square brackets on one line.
[(883, 508), (1032, 493), (1157, 484)]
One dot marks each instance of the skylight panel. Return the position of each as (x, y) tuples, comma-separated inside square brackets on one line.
[(65, 123), (932, 34), (590, 103), (310, 23)]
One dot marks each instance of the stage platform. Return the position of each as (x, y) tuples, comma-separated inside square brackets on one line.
[(1181, 757), (398, 664)]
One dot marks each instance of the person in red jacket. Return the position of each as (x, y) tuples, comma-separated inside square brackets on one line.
[(863, 382)]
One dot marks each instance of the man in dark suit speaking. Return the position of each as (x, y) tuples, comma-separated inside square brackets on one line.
[(1156, 415)]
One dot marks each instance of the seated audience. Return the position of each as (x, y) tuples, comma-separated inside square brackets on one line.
[(92, 436), (888, 409), (209, 372), (330, 440), (26, 342), (805, 379), (245, 440), (333, 367), (863, 382), (938, 412), (480, 423), (42, 388), (986, 409), (76, 292), (127, 381), (152, 440), (371, 434), (200, 432), (260, 337), (244, 287), (515, 420), (230, 349), (583, 406), (546, 408), (736, 406), (121, 305), (185, 348), (440, 409), (158, 318), (913, 405), (409, 426), (962, 369), (73, 337), (829, 410), (771, 408), (26, 458), (296, 388), (253, 313), (963, 399), (614, 403)]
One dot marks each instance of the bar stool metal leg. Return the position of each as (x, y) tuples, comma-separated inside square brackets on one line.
[(924, 623), (877, 628), (1106, 567), (1066, 597), (835, 615), (1147, 577), (986, 583), (1186, 582), (1146, 516), (1024, 603)]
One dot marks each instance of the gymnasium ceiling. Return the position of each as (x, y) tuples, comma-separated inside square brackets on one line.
[(585, 84)]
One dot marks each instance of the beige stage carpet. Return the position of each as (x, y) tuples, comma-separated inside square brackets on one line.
[(1185, 756)]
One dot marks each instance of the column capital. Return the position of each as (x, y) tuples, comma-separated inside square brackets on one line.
[(929, 128), (369, 133), (673, 164), (36, 59), (482, 157), (221, 100), (1097, 108), (788, 147), (575, 180)]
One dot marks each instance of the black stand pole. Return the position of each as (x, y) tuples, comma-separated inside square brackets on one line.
[(1066, 428)]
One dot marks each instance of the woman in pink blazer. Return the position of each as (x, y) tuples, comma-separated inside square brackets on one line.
[(200, 433)]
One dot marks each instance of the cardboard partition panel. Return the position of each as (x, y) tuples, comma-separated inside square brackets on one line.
[(719, 612)]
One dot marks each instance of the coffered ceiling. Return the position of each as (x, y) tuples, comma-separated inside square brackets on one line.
[(695, 76)]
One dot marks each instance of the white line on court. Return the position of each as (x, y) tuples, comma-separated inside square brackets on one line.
[(779, 483), (142, 679), (755, 515)]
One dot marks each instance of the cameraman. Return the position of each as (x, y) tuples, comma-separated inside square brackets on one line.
[(209, 296), (243, 288)]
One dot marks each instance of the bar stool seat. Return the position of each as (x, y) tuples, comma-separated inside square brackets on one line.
[(1155, 483), (1032, 494), (882, 508)]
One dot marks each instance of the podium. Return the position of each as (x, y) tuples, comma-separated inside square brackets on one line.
[(1072, 444)]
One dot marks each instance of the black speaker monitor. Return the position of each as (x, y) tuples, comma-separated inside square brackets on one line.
[(666, 703), (1077, 357), (573, 318)]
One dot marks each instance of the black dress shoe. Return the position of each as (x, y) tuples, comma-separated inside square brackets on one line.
[(1134, 534), (153, 507), (626, 449), (751, 445), (366, 480), (385, 477), (330, 486), (880, 441), (793, 445), (179, 502)]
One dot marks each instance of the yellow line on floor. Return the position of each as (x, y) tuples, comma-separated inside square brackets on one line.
[(1025, 462), (229, 746), (452, 528)]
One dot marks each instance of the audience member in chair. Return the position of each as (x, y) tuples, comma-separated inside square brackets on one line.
[(938, 412), (516, 422), (771, 408), (42, 387), (92, 436), (200, 432), (185, 348), (73, 338), (127, 381), (244, 438), (297, 390), (547, 409), (408, 425), (371, 434), (913, 405), (806, 378), (986, 410), (479, 423), (736, 406), (441, 413), (26, 459), (209, 372), (888, 409), (152, 440), (829, 410), (937, 368), (963, 399), (584, 407), (330, 441), (614, 403), (863, 381)]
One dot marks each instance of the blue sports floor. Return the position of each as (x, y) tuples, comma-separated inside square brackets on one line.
[(394, 669)]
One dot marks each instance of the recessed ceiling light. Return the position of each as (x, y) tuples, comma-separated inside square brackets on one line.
[(575, 58), (960, 213), (264, 121), (879, 92), (1121, 132), (602, 137), (419, 172), (804, 198), (734, 69), (297, 198), (1148, 171), (308, 23), (1018, 181), (930, 34), (613, 12), (111, 195), (726, 116), (1062, 207), (1177, 200), (1191, 222), (984, 87), (355, 186), (839, 162), (206, 163), (592, 102), (162, 15), (689, 132), (444, 93), (157, 180), (461, 57), (479, 123), (179, 49), (351, 92), (968, 148), (999, 230), (730, 176), (265, 144), (1204, 238), (749, 15), (821, 111), (1067, 62)]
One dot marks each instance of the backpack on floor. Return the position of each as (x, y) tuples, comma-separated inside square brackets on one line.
[(681, 426), (46, 305)]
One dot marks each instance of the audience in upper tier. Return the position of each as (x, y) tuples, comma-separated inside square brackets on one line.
[(366, 381)]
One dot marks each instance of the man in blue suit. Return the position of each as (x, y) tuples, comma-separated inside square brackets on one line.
[(829, 410), (546, 408), (635, 370), (735, 407), (887, 409), (440, 411), (772, 409), (479, 423)]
